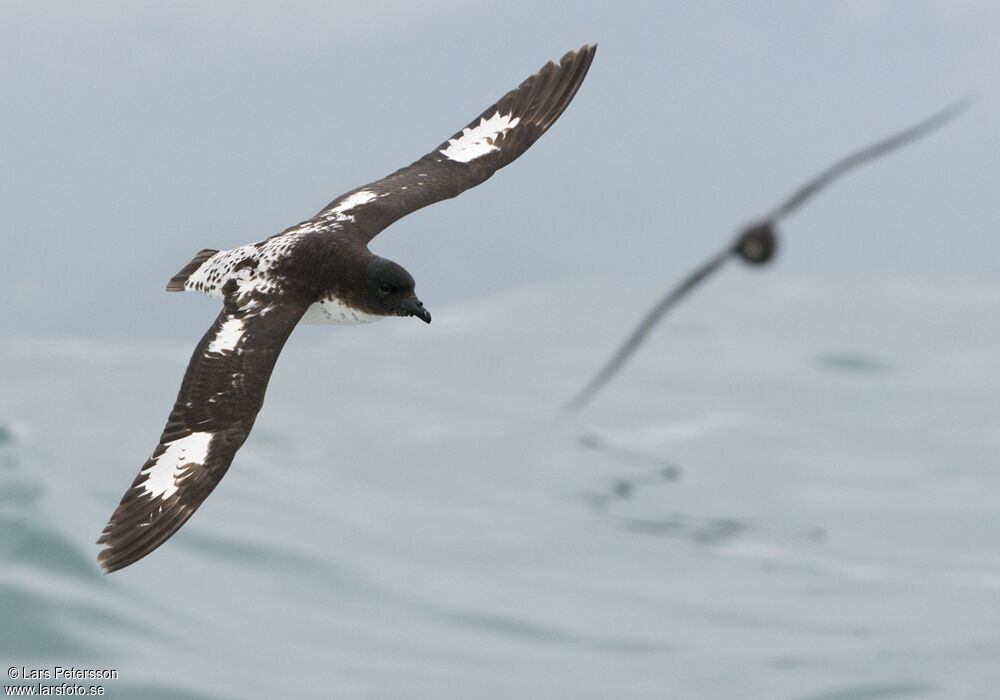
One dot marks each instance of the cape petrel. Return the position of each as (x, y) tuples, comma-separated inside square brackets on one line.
[(755, 244), (318, 271)]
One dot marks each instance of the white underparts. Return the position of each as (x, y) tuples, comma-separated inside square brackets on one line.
[(332, 311), (163, 474)]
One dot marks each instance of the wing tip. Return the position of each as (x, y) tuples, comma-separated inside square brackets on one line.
[(106, 558), (587, 50), (127, 544), (555, 86), (583, 56), (110, 558), (104, 561)]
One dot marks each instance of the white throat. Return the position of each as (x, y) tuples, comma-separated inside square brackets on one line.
[(332, 311)]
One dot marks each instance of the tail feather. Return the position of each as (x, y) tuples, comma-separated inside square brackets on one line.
[(176, 283)]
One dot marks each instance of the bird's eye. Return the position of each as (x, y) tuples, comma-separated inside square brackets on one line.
[(385, 288)]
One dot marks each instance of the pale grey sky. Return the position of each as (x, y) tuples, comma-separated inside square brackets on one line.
[(135, 134)]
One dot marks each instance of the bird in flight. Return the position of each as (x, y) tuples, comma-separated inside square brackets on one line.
[(755, 244), (318, 271)]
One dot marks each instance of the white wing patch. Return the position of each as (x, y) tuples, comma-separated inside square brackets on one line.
[(163, 474), (338, 213), (228, 336), (478, 141)]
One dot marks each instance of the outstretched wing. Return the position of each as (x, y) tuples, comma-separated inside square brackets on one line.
[(222, 391), (492, 140), (868, 153), (756, 243)]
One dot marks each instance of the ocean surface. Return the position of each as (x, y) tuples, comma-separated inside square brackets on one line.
[(793, 491)]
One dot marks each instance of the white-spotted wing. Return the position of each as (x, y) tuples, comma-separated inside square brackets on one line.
[(222, 392), (495, 138)]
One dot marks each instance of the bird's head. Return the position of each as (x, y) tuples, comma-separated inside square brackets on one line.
[(389, 291), (757, 243)]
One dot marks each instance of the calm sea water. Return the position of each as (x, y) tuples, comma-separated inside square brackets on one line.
[(791, 493)]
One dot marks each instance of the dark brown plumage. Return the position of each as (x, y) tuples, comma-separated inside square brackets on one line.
[(317, 271), (755, 245)]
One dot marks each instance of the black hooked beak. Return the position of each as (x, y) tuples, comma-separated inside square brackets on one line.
[(416, 308)]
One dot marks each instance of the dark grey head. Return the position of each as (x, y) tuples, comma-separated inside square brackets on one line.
[(389, 291), (757, 243)]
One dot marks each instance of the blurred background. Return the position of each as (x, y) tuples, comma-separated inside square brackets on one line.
[(791, 492)]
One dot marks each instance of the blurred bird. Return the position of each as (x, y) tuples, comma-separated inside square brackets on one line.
[(756, 243)]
